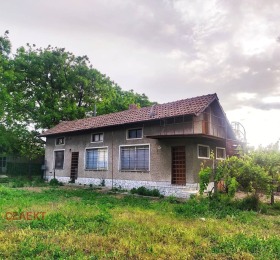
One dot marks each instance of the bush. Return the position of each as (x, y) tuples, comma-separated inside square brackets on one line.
[(204, 178), (250, 203), (55, 182), (146, 192)]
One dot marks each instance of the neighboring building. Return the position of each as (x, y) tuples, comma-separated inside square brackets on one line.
[(161, 146), (13, 165), (3, 163)]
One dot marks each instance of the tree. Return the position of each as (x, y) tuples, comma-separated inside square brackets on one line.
[(269, 158), (52, 85), (241, 173), (39, 87)]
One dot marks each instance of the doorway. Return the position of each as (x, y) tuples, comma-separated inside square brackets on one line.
[(74, 166), (178, 176)]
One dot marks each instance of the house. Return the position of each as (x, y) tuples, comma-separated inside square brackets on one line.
[(161, 146)]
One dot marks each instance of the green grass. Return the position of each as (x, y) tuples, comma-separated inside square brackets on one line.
[(82, 223)]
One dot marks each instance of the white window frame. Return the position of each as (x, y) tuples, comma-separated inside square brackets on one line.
[(134, 128), (58, 150), (134, 145), (59, 138), (91, 137), (96, 147), (208, 151), (222, 148)]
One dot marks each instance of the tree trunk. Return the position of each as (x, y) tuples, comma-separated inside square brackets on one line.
[(272, 197)]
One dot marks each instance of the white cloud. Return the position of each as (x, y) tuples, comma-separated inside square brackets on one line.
[(168, 49)]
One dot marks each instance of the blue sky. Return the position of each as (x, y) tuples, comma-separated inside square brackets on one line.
[(170, 50)]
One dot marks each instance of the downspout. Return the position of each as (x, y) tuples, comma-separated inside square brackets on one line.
[(112, 160)]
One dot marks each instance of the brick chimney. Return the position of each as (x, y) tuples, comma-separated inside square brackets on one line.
[(132, 106)]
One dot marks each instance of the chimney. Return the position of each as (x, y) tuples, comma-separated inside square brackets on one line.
[(132, 106)]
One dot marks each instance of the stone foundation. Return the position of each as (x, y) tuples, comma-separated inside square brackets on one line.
[(165, 188)]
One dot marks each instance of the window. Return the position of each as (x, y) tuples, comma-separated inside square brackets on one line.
[(220, 153), (97, 159), (3, 161), (58, 159), (203, 151), (97, 138), (135, 158), (135, 133), (59, 140)]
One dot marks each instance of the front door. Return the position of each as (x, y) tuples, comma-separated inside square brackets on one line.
[(178, 165), (74, 166)]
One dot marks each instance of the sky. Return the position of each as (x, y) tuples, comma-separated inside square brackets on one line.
[(169, 49)]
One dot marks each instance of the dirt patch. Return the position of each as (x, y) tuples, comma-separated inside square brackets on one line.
[(264, 198), (34, 189)]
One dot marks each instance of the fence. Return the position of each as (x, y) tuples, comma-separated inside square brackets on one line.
[(24, 169)]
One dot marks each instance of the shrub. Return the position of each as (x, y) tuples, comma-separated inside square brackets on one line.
[(55, 182), (146, 192), (251, 202), (204, 178), (276, 205)]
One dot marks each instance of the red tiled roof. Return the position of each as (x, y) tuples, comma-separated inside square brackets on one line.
[(190, 106)]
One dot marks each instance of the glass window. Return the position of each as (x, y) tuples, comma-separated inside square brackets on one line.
[(3, 161), (135, 158), (97, 159), (59, 159), (135, 133), (97, 137), (220, 153), (203, 151), (59, 141)]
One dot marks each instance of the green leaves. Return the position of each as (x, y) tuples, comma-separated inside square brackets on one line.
[(53, 85), (39, 87)]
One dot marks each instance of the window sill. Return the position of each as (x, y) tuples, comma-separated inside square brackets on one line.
[(147, 171), (96, 170)]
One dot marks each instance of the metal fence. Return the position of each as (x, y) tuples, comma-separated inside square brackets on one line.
[(16, 167)]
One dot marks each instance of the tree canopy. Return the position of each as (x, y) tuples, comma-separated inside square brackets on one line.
[(39, 87)]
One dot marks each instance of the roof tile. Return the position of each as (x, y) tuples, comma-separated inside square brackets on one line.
[(190, 106)]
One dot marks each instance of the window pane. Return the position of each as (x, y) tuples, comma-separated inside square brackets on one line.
[(203, 151), (139, 133), (135, 158), (221, 153), (131, 134), (96, 159), (59, 159), (142, 159), (60, 140), (91, 159), (135, 133), (97, 137), (2, 161)]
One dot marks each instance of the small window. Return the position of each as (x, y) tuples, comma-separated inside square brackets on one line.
[(135, 133), (59, 141), (97, 159), (3, 162), (95, 138), (220, 153), (58, 159), (203, 151), (135, 158)]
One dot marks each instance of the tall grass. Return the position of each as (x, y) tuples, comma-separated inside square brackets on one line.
[(85, 224)]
